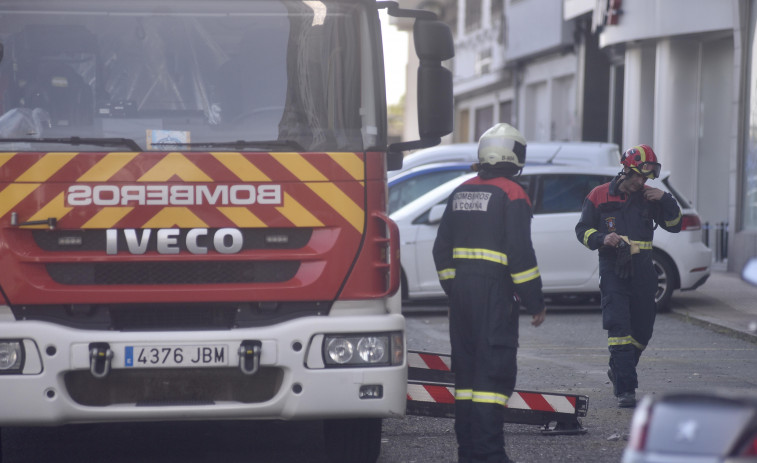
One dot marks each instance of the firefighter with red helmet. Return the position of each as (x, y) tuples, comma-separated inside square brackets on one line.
[(619, 219), (484, 257)]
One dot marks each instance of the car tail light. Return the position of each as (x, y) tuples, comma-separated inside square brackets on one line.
[(640, 424), (691, 222), (751, 449)]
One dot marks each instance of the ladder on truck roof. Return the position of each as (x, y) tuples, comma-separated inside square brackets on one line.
[(431, 392)]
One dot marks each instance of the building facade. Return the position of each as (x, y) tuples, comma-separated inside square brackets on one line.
[(679, 75)]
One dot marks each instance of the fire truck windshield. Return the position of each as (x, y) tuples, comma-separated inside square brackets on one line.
[(189, 75)]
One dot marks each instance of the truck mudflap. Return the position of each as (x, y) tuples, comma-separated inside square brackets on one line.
[(431, 392)]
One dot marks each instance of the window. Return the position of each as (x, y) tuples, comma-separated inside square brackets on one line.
[(564, 192), (506, 112), (484, 120), (472, 15), (186, 77), (498, 7), (483, 62), (412, 188), (464, 126)]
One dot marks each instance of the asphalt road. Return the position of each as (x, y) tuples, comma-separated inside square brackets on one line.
[(566, 354)]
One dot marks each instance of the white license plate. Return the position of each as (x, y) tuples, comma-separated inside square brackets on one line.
[(141, 356)]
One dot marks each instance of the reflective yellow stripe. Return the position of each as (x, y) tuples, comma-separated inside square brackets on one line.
[(588, 233), (478, 253), (670, 223), (483, 397), (446, 274), (643, 244), (463, 394), (489, 398), (624, 341), (528, 275)]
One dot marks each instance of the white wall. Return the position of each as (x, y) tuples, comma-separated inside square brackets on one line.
[(715, 124), (647, 19), (638, 96), (676, 120), (534, 26)]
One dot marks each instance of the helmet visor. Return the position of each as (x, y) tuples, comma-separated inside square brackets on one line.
[(650, 170)]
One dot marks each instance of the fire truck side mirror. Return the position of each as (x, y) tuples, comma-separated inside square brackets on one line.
[(434, 44)]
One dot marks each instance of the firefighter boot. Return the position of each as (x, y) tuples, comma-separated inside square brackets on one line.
[(627, 400)]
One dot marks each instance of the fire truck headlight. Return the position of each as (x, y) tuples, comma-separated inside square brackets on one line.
[(11, 356), (372, 349), (360, 350), (339, 350)]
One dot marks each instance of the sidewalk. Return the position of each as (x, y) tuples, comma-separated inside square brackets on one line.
[(725, 301)]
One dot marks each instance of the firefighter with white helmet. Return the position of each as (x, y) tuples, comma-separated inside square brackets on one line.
[(485, 261), (619, 218)]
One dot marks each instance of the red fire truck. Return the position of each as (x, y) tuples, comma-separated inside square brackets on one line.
[(192, 212)]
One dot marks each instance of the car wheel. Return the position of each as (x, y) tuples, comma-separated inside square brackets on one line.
[(665, 281), (355, 440)]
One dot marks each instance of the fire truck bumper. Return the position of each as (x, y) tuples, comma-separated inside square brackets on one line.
[(307, 368)]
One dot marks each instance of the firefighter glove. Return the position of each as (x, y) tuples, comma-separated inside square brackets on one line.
[(623, 262)]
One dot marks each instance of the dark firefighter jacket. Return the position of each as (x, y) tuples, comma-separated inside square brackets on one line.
[(607, 210), (486, 230)]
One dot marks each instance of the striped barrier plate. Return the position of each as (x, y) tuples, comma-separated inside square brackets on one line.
[(431, 392)]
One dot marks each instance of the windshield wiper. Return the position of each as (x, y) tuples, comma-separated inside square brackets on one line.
[(239, 144), (75, 141)]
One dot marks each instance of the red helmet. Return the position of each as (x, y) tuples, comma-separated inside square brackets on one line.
[(642, 160)]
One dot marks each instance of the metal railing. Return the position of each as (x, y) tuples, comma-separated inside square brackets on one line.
[(715, 236)]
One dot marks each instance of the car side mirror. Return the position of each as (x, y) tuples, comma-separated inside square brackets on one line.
[(436, 213), (749, 273)]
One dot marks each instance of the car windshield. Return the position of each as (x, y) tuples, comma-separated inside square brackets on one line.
[(682, 202), (187, 75)]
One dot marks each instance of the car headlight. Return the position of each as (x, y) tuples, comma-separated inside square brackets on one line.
[(11, 356), (360, 350)]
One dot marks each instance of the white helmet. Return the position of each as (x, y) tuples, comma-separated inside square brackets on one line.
[(502, 143)]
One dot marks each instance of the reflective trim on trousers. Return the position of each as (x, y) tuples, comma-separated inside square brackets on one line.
[(620, 341), (481, 397)]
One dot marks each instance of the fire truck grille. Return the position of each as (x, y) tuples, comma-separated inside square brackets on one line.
[(180, 386), (95, 240), (171, 273)]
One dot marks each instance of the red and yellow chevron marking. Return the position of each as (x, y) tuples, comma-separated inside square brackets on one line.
[(318, 189)]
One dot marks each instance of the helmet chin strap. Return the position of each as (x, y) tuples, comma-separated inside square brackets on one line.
[(621, 178)]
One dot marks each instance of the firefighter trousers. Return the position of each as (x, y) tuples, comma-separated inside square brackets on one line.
[(484, 341), (628, 315)]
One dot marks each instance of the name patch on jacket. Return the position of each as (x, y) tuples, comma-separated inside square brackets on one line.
[(471, 201)]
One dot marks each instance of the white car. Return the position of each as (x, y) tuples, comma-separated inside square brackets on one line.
[(568, 269), (559, 152)]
